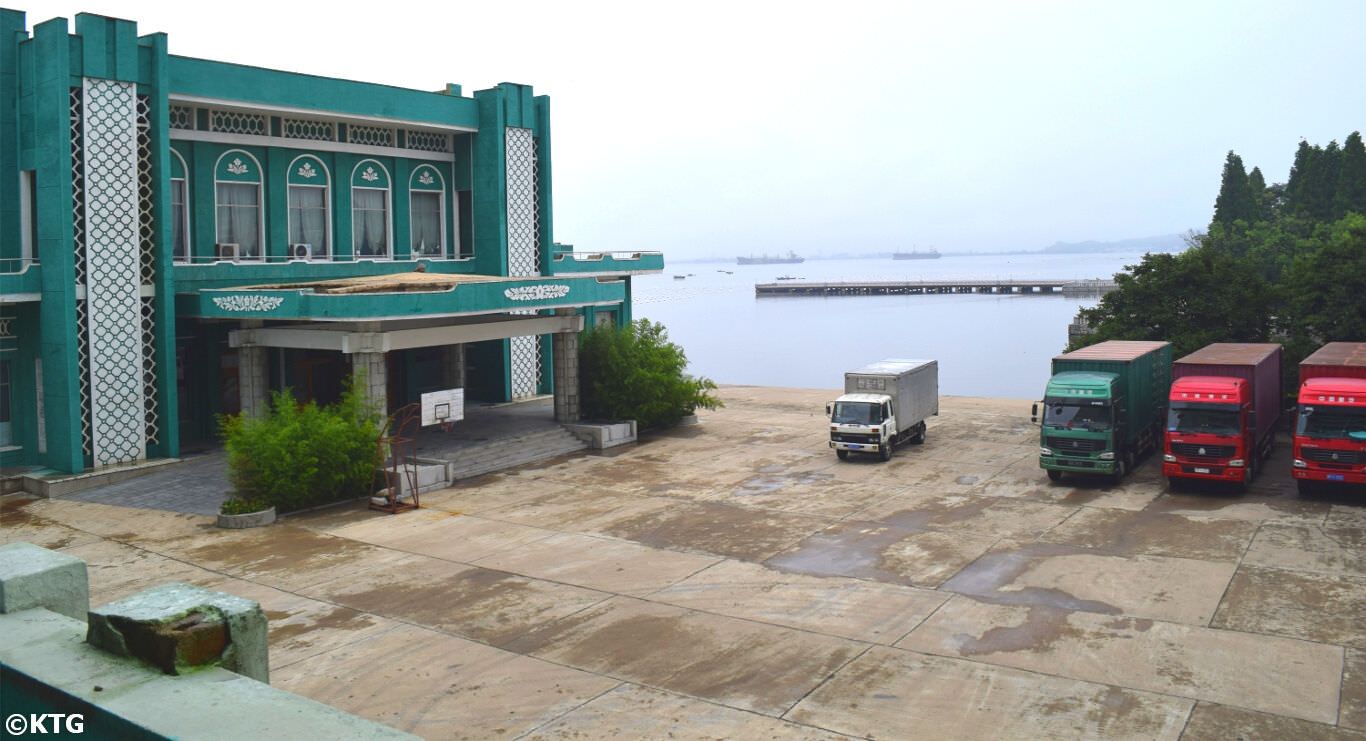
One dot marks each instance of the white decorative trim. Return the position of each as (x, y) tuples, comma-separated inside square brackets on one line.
[(279, 142), (238, 167), (369, 175), (426, 178), (343, 117), (241, 302), (543, 292), (306, 170)]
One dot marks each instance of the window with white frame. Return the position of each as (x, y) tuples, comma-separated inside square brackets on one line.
[(309, 226), (180, 208), (370, 210), (427, 193), (237, 198)]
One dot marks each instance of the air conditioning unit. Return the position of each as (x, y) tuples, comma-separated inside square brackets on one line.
[(301, 251), (231, 252)]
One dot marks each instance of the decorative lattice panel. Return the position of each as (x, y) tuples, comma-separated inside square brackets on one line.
[(113, 272), (236, 122), (526, 366), (77, 186), (149, 371), (182, 117), (428, 141), (303, 128), (146, 228), (377, 136), (522, 217)]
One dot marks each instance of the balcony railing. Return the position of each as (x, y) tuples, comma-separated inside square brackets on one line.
[(580, 263)]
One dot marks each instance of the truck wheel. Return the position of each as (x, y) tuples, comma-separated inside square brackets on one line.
[(842, 455), (1120, 470), (1054, 475), (1173, 483), (1306, 488), (885, 451), (919, 438)]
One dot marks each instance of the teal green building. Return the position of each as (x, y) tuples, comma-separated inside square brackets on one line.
[(179, 237)]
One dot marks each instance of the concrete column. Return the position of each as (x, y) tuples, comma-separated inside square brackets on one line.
[(253, 389), (565, 348), (368, 368), (453, 366)]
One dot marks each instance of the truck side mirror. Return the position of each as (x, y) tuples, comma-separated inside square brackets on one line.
[(1034, 412), (827, 410)]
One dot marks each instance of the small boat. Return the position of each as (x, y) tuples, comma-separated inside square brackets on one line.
[(679, 277), (786, 277)]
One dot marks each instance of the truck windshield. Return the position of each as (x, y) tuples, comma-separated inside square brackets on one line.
[(857, 413), (1215, 419), (1322, 421), (1069, 414)]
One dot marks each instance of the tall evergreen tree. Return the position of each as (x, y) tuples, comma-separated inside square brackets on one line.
[(1350, 195), (1299, 175), (1261, 197), (1235, 201)]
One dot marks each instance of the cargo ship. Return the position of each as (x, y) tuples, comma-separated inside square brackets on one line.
[(931, 254), (792, 258)]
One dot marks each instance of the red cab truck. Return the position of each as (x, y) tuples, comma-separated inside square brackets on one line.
[(1330, 431), (1222, 412)]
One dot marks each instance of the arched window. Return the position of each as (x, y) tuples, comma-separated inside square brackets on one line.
[(310, 228), (237, 200), (180, 208), (370, 210), (427, 191)]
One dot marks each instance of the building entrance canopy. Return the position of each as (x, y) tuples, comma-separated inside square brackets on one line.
[(384, 336), (401, 296)]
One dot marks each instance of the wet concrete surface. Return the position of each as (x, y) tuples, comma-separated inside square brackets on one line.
[(735, 580)]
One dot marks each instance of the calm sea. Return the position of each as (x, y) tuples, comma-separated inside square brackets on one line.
[(986, 345)]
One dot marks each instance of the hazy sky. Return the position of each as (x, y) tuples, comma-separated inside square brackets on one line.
[(705, 128)]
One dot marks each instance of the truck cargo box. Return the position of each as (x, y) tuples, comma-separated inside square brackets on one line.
[(1258, 363), (912, 384), (1144, 370), (1335, 360)]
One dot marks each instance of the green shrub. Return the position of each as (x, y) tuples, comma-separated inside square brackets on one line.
[(634, 372), (236, 506), (303, 455)]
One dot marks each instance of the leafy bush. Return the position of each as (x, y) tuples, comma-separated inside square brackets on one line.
[(634, 372), (300, 456), (236, 506)]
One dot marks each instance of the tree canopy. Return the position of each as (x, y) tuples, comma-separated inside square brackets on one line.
[(1279, 263)]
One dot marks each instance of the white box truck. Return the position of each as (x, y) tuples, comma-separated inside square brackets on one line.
[(884, 405)]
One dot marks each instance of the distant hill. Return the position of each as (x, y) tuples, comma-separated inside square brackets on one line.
[(1162, 243)]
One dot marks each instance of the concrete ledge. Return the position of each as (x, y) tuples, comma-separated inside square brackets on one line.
[(247, 519), (605, 435), (176, 627), (48, 648), (53, 484), (31, 576)]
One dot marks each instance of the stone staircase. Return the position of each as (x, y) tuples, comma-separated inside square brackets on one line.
[(477, 459)]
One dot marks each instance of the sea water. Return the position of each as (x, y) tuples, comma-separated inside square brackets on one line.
[(986, 344)]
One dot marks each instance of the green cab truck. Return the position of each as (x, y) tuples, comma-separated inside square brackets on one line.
[(1104, 406)]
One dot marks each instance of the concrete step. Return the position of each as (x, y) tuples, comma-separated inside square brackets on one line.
[(512, 452)]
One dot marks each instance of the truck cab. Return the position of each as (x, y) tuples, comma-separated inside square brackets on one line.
[(1210, 426), (862, 423), (1081, 412), (1330, 432)]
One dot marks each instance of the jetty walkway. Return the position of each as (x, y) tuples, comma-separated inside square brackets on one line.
[(1064, 286)]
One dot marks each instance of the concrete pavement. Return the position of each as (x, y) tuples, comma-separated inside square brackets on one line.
[(734, 580)]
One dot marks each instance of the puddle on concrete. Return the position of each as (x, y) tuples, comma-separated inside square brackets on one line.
[(855, 550), (986, 578), (966, 480), (771, 479)]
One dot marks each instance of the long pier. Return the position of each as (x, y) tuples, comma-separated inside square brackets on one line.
[(1064, 286)]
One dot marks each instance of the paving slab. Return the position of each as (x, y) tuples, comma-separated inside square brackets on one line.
[(1338, 551), (441, 534), (718, 529), (440, 686), (870, 550), (1025, 480), (117, 570), (19, 524), (851, 608), (1155, 533), (739, 663), (596, 562), (802, 492), (580, 511), (1353, 713), (486, 605), (968, 513), (1076, 578), (1211, 722), (887, 693), (633, 712), (1314, 607), (1287, 677)]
